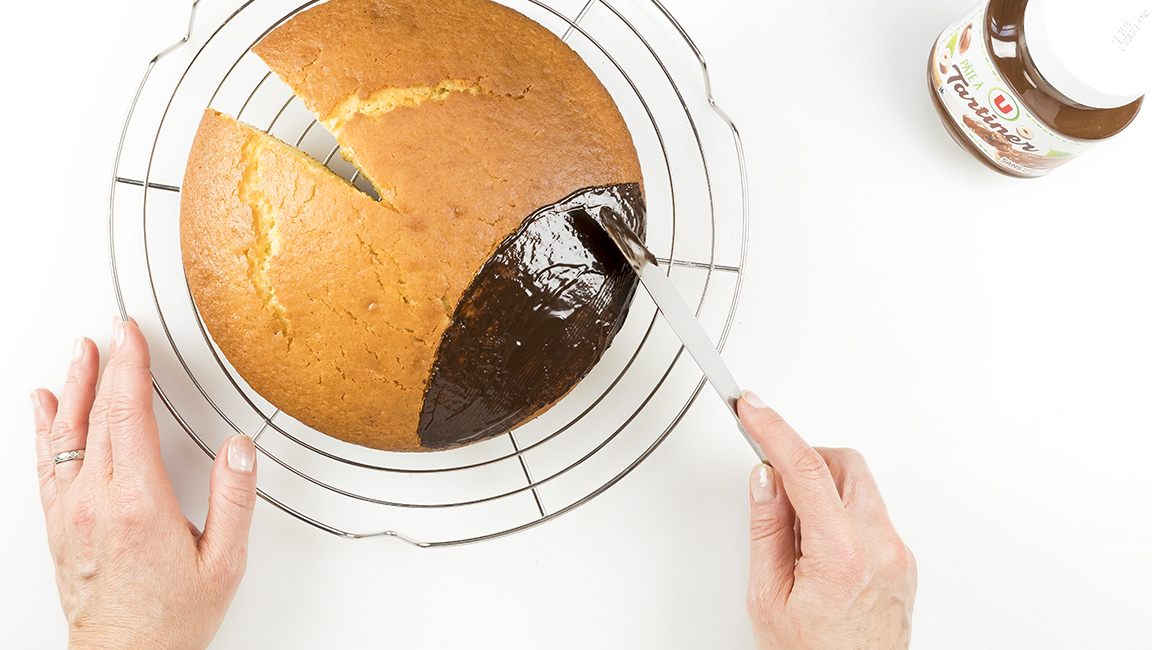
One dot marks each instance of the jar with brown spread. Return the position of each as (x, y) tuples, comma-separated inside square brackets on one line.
[(1027, 85)]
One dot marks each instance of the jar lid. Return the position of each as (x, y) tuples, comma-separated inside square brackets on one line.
[(1098, 54)]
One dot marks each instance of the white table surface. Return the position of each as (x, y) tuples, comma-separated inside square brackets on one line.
[(983, 341)]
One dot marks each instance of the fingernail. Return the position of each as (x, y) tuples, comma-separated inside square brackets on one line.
[(763, 483), (241, 454), (118, 332), (753, 400), (78, 348), (35, 397)]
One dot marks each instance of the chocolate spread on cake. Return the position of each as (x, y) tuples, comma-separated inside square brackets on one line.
[(538, 316)]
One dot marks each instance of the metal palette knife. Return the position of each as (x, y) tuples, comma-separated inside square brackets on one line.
[(678, 314)]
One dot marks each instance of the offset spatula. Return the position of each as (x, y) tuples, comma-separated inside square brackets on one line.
[(678, 314)]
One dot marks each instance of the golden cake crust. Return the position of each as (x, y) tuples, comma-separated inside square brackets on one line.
[(513, 119), (346, 354), (467, 117)]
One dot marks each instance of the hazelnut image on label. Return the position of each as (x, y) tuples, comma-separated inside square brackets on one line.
[(965, 38), (944, 61), (1024, 132)]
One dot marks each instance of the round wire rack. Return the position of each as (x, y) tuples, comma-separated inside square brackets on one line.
[(696, 190)]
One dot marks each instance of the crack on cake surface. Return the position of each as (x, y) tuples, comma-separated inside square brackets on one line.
[(267, 236), (386, 100)]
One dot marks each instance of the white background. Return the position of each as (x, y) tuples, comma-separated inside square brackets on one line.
[(983, 340)]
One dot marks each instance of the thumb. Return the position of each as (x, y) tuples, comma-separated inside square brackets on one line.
[(773, 531), (224, 544)]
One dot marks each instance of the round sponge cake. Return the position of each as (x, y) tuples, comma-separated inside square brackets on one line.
[(401, 324)]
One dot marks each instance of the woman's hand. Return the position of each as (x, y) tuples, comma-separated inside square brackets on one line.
[(829, 571), (132, 571)]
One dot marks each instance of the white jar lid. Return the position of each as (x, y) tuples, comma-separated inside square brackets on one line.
[(1096, 53)]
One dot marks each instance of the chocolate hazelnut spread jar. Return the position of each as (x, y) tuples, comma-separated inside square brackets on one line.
[(1027, 85)]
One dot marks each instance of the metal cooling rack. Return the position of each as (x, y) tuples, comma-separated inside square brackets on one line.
[(696, 188)]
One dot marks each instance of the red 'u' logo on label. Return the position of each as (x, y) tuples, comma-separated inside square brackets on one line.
[(1003, 104)]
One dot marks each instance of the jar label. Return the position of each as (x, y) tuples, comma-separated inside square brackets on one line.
[(986, 110)]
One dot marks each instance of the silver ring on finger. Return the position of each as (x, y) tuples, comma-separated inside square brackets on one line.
[(64, 457)]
